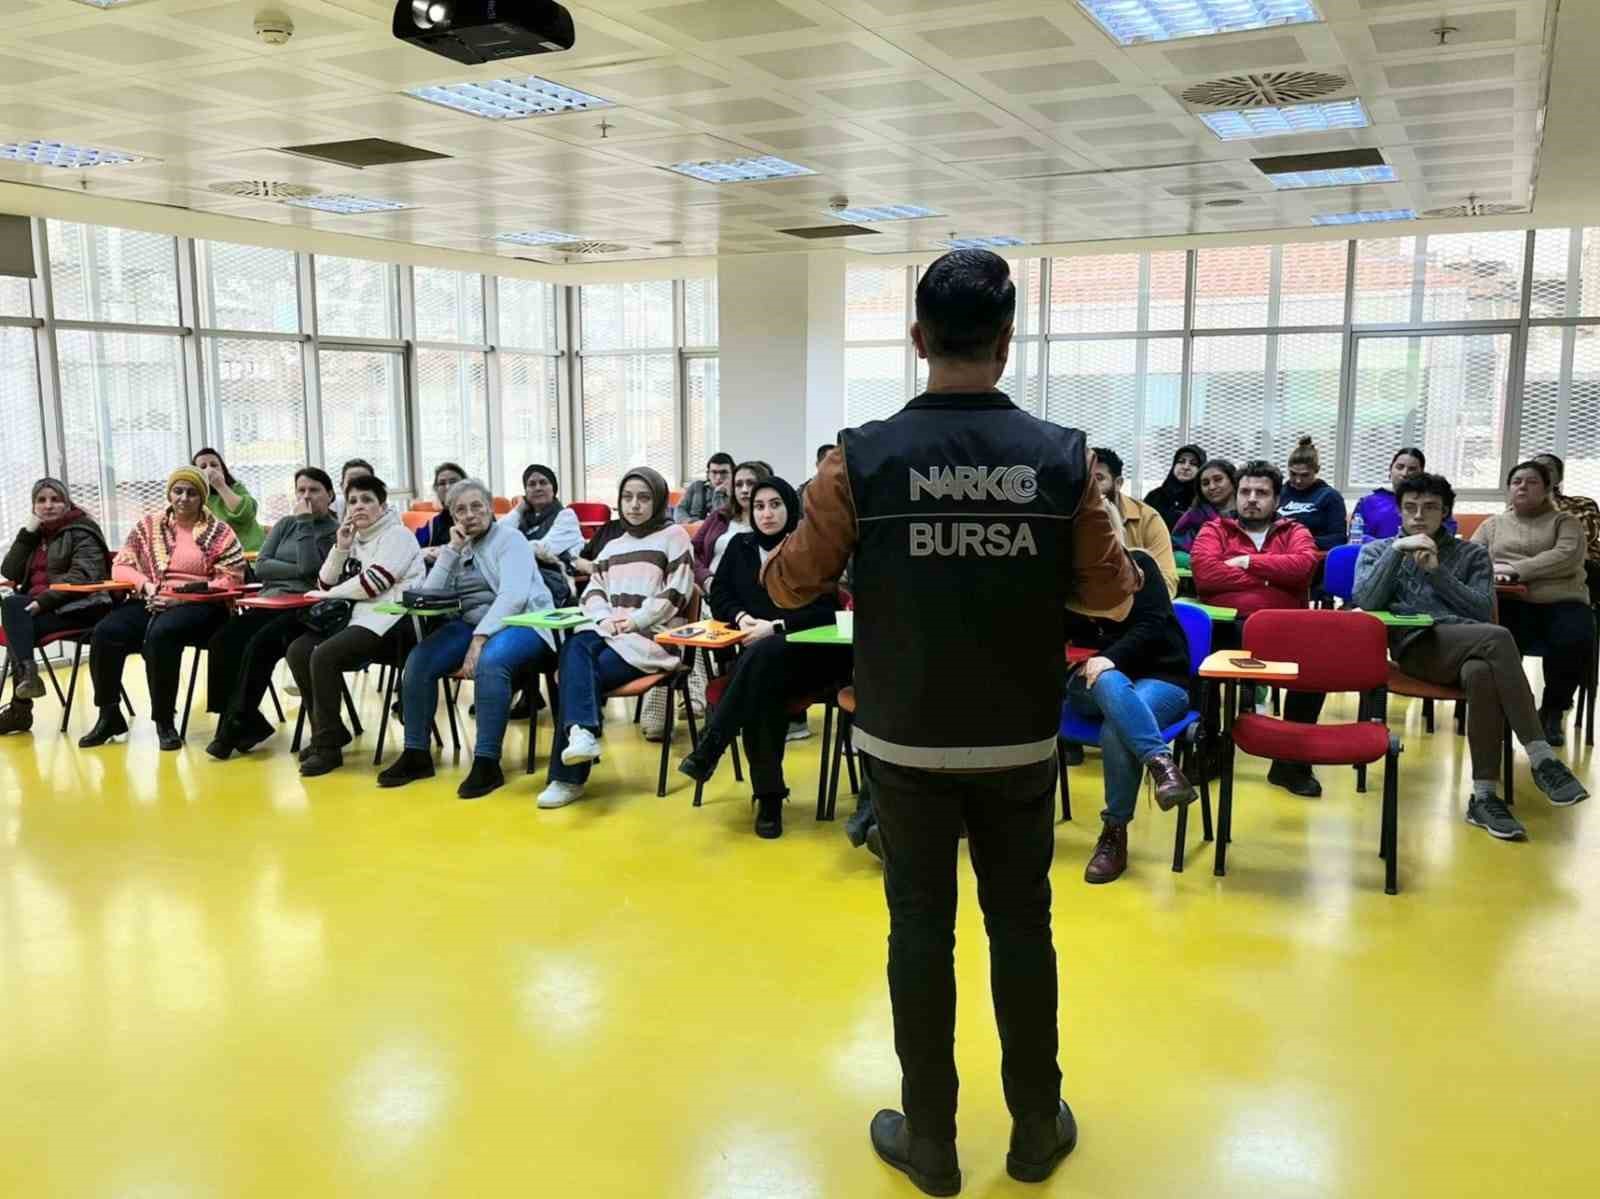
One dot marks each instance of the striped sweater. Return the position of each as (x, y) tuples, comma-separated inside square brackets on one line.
[(650, 580), (388, 561)]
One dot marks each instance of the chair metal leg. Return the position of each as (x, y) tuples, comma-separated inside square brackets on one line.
[(850, 765), (1427, 715), (841, 737), (738, 766), (450, 715), (1461, 718), (638, 710), (822, 762), (1061, 772), (188, 702), (1508, 765), (72, 685), (127, 703), (350, 707), (49, 669), (272, 693), (666, 736), (391, 680), (1391, 818), (299, 727)]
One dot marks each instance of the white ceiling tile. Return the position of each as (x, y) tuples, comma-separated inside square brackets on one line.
[(1051, 77)]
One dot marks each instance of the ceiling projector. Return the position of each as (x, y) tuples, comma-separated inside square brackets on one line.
[(474, 31)]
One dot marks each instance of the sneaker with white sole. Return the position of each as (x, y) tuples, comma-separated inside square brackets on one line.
[(1494, 818), (1553, 778), (582, 746), (559, 795), (799, 730)]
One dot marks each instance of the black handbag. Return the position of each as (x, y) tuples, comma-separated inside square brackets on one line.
[(330, 616)]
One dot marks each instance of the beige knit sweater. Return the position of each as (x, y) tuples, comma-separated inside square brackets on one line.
[(1547, 550)]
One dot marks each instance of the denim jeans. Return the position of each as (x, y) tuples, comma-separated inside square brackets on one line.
[(1134, 715), (510, 653), (589, 669)]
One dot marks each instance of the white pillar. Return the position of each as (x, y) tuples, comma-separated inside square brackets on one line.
[(781, 352)]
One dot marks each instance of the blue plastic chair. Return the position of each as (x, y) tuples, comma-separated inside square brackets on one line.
[(1184, 733), (1339, 571)]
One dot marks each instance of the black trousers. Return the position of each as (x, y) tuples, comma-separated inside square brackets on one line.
[(243, 654), (766, 678), (1010, 822), (24, 629), (1563, 634), (161, 638), (320, 664)]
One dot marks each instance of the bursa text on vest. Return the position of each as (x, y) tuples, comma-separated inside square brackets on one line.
[(952, 539)]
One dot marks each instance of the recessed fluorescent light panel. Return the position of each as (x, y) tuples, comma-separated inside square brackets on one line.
[(884, 212), (1130, 22), (1242, 123), (980, 243), (102, 3), (1341, 177), (538, 237), (741, 170), (348, 205), (1364, 218), (509, 99), (61, 154)]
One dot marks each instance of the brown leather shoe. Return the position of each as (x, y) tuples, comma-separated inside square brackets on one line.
[(1110, 855), (1172, 788)]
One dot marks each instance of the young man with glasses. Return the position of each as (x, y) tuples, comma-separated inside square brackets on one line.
[(1430, 571)]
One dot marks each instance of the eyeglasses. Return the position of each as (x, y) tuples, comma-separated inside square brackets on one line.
[(1422, 509)]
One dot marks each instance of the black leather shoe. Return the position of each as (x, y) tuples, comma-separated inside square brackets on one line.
[(702, 761), (220, 748), (484, 777), (320, 761), (16, 717), (167, 735), (250, 731), (930, 1164), (411, 765), (769, 816), (307, 750), (1295, 779), (108, 726), (1038, 1145)]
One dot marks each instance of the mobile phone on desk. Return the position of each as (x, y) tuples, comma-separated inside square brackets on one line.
[(1247, 663)]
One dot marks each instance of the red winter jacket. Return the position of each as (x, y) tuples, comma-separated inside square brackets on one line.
[(1279, 574)]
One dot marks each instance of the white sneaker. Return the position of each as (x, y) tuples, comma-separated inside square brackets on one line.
[(582, 746), (799, 730), (559, 795)]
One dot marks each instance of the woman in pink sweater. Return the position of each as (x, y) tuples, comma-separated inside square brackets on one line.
[(641, 584), (182, 549)]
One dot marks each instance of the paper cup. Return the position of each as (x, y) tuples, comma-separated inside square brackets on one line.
[(846, 622)]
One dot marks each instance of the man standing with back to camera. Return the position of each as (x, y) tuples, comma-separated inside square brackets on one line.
[(972, 525)]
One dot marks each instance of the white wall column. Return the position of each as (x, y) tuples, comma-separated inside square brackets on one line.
[(781, 352)]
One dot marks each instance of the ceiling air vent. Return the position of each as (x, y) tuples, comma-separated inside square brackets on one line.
[(1269, 89), (587, 247), (363, 152), (1474, 207), (821, 232), (263, 189)]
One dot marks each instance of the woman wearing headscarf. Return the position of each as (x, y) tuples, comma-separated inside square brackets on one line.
[(230, 500), (181, 549), (1177, 490), (769, 673), (731, 520), (641, 583), (551, 526), (59, 543)]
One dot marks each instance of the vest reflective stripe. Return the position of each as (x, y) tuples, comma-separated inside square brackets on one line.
[(955, 757)]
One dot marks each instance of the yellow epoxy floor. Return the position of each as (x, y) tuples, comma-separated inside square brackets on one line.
[(219, 981)]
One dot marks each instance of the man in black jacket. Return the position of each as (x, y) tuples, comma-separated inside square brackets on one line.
[(973, 524)]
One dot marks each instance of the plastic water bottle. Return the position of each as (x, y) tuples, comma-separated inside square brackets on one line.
[(1358, 530)]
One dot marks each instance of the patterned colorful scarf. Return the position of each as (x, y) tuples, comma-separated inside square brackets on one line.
[(149, 547)]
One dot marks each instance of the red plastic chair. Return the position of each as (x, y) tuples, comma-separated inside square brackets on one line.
[(590, 515), (1335, 651)]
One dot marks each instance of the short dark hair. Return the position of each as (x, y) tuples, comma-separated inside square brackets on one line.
[(1409, 451), (361, 462), (367, 483), (1561, 467), (1534, 465), (1426, 484), (720, 458), (317, 475), (1260, 468), (824, 450), (227, 475), (965, 300), (1109, 459), (441, 468)]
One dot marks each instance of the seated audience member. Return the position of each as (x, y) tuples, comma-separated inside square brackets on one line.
[(374, 560), (1587, 514), (822, 452), (230, 500), (550, 526), (1380, 511), (436, 532), (1219, 478), (59, 543), (184, 548), (489, 567), (1260, 560), (1137, 683), (1309, 500), (1179, 489), (241, 657), (1536, 545), (705, 496), (712, 538), (1429, 570), (769, 673), (353, 469), (1142, 526), (641, 582)]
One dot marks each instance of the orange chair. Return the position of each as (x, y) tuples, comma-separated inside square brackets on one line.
[(676, 682), (417, 518), (503, 505), (675, 497), (425, 506), (1467, 524)]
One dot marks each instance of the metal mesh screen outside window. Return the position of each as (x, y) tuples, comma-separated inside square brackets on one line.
[(1228, 399), (363, 404), (628, 420), (875, 303), (104, 274), (527, 315), (626, 316), (528, 405), (701, 396), (874, 382), (248, 288), (1312, 280), (1231, 287), (452, 411), (1094, 386), (449, 305), (699, 312), (1541, 429), (1582, 442), (1385, 280), (1561, 402), (357, 298), (1097, 293), (256, 390), (22, 448), (1474, 276), (123, 412), (16, 297)]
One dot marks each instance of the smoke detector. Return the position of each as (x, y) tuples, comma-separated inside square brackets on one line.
[(838, 203), (274, 28), (263, 189)]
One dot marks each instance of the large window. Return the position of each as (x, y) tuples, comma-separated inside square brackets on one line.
[(529, 380), (452, 372)]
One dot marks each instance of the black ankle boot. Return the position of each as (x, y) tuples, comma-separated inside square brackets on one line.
[(931, 1165), (484, 777), (769, 816), (220, 747), (411, 765), (108, 726), (168, 736), (702, 761), (16, 717), (247, 732)]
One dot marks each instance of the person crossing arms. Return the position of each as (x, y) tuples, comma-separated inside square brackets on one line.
[(973, 524)]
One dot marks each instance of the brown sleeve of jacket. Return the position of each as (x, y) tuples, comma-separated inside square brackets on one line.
[(1103, 576), (811, 559)]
